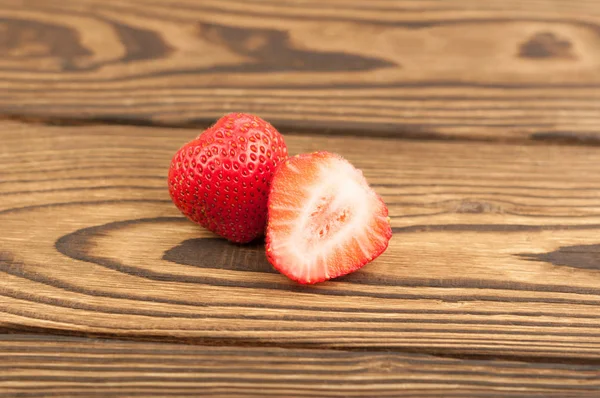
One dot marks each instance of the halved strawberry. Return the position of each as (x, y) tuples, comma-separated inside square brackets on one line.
[(324, 220)]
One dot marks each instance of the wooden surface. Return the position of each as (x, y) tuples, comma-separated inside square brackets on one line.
[(494, 254), (477, 122), (69, 367), (513, 69)]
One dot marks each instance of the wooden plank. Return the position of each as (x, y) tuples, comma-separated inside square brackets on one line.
[(42, 366), (495, 249), (498, 69)]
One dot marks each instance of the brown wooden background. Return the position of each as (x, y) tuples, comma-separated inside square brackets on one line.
[(478, 122)]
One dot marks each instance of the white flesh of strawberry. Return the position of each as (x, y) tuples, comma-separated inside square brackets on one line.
[(326, 219)]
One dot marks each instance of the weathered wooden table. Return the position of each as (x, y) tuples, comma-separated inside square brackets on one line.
[(478, 122)]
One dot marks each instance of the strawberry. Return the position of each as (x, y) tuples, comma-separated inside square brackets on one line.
[(324, 219), (221, 179)]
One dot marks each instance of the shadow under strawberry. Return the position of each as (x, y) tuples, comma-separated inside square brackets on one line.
[(218, 253)]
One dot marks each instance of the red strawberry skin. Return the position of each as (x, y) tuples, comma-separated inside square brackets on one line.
[(221, 180), (324, 219)]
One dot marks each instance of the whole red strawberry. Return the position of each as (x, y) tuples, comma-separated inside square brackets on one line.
[(221, 180)]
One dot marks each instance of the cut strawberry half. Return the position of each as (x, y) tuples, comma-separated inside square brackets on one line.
[(324, 220)]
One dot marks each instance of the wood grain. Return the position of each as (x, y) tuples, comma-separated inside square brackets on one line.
[(41, 366), (509, 70), (494, 254)]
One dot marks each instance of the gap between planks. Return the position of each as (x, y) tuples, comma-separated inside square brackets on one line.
[(306, 128), (48, 334)]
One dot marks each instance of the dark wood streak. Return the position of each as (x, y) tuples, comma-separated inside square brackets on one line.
[(76, 244), (470, 206), (407, 131), (272, 51), (577, 256), (9, 266), (567, 137), (48, 40), (348, 6), (545, 45), (140, 44), (314, 127), (62, 43)]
